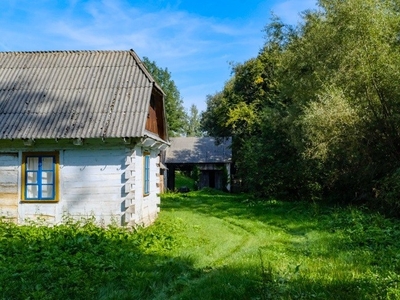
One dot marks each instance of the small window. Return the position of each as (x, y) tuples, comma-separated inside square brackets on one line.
[(146, 167), (39, 176)]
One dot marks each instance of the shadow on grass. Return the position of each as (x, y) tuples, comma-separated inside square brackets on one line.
[(82, 261), (354, 253), (247, 283), (78, 261), (224, 205)]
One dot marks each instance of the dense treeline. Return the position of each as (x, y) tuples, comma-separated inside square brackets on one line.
[(316, 114)]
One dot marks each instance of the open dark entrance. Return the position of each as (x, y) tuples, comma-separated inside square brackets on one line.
[(211, 182), (211, 175), (172, 169)]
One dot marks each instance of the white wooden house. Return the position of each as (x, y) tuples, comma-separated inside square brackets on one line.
[(80, 135)]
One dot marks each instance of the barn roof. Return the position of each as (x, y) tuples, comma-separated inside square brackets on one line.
[(73, 94), (198, 150)]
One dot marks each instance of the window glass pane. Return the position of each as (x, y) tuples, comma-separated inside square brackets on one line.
[(39, 176), (47, 177), (47, 163), (32, 163), (32, 177), (146, 174), (47, 191), (32, 191)]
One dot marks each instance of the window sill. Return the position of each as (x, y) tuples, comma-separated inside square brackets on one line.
[(39, 201)]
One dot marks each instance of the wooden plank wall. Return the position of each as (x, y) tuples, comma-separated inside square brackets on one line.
[(147, 206), (155, 116), (9, 185), (93, 183)]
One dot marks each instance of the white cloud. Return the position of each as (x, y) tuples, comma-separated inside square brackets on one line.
[(82, 36), (289, 11), (168, 37)]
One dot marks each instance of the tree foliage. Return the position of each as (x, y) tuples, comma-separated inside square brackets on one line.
[(343, 72), (193, 126), (176, 116), (320, 102)]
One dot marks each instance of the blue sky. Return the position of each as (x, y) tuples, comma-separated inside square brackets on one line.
[(195, 40)]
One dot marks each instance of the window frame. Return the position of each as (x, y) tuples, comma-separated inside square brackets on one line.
[(55, 180), (146, 173)]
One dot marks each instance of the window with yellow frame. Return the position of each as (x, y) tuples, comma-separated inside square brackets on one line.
[(40, 176)]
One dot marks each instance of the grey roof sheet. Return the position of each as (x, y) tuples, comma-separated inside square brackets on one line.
[(198, 150), (72, 94)]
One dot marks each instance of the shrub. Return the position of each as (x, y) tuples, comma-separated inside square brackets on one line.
[(389, 193)]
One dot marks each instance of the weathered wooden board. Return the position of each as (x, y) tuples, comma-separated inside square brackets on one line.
[(9, 185)]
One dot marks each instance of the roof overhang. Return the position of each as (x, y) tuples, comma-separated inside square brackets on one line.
[(150, 140)]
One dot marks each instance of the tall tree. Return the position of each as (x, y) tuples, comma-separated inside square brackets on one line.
[(193, 128), (319, 105), (176, 115), (342, 74)]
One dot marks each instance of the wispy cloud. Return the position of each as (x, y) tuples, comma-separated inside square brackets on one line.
[(290, 11), (189, 45), (178, 34)]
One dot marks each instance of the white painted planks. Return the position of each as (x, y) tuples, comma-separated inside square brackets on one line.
[(9, 185)]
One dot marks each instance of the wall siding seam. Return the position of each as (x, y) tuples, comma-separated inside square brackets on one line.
[(130, 187)]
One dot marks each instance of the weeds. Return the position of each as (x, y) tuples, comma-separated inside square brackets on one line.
[(80, 260), (208, 245)]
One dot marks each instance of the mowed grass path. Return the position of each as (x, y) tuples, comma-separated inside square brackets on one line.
[(248, 249), (208, 245)]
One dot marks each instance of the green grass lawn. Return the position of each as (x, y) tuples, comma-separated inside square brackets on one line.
[(209, 245)]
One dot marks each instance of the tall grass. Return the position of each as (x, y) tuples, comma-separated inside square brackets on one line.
[(209, 245)]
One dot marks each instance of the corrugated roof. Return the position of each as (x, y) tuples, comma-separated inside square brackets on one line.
[(73, 94), (198, 150)]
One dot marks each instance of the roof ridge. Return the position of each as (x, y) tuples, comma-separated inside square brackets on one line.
[(62, 51), (145, 71)]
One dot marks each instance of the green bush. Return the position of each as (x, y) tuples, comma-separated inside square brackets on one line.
[(79, 260), (389, 193)]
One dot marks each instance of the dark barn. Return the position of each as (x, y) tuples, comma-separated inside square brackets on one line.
[(212, 159)]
